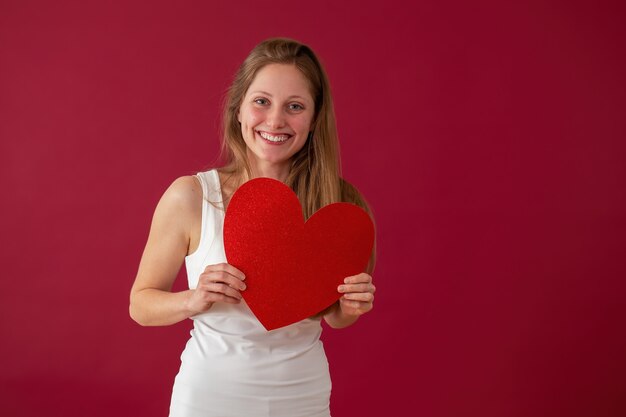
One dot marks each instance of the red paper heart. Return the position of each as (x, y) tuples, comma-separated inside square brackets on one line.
[(292, 268)]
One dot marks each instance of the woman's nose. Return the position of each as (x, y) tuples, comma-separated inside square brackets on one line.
[(275, 118)]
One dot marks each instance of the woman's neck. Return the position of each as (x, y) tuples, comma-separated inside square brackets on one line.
[(267, 169)]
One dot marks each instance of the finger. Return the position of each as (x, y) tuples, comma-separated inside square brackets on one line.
[(217, 297), (355, 305), (215, 287), (365, 297), (348, 288), (223, 277), (230, 300), (227, 268), (356, 279)]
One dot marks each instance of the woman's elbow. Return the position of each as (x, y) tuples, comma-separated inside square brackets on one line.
[(133, 315)]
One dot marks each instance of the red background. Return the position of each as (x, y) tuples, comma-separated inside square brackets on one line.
[(488, 138)]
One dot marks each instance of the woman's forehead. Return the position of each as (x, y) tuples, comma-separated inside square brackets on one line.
[(281, 80)]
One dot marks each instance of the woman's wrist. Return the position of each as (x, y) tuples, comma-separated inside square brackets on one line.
[(190, 307), (338, 319)]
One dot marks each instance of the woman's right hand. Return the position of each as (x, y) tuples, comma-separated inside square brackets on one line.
[(218, 283)]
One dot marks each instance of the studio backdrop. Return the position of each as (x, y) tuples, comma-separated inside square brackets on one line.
[(488, 138)]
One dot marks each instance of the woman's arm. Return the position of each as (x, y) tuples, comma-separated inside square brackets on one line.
[(151, 302)]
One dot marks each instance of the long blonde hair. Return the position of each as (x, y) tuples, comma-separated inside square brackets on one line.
[(315, 171)]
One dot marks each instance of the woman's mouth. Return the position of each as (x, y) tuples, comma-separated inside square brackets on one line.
[(273, 138)]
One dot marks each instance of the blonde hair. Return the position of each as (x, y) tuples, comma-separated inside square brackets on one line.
[(315, 171)]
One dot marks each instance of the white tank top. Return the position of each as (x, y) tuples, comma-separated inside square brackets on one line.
[(231, 365)]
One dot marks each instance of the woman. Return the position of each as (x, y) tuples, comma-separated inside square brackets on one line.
[(278, 123)]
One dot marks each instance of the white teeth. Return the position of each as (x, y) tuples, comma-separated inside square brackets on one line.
[(280, 138)]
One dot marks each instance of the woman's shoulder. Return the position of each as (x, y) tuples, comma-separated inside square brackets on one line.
[(347, 189), (350, 194), (185, 187), (184, 194)]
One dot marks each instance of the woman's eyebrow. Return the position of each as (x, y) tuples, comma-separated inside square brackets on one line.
[(261, 92), (269, 95)]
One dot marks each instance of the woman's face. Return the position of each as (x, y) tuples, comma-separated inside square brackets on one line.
[(276, 114)]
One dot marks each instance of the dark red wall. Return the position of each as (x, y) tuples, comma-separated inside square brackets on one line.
[(488, 138)]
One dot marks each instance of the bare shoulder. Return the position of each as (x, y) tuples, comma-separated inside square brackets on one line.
[(184, 193), (181, 203)]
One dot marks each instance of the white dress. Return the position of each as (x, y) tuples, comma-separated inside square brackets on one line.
[(232, 366)]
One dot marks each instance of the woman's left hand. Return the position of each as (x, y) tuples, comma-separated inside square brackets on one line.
[(358, 295)]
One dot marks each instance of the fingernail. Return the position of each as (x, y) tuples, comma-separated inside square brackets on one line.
[(342, 288), (345, 280)]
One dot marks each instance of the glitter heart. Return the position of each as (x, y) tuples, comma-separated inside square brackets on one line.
[(292, 267)]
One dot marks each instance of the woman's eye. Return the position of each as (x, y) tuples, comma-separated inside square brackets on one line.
[(295, 106), (261, 101)]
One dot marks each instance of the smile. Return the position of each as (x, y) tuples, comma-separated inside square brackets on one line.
[(274, 138)]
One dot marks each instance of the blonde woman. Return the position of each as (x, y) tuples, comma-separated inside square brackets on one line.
[(279, 123)]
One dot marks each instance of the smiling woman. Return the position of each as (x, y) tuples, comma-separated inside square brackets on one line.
[(276, 116), (278, 123)]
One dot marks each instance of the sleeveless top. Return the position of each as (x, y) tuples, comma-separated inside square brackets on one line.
[(231, 365)]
